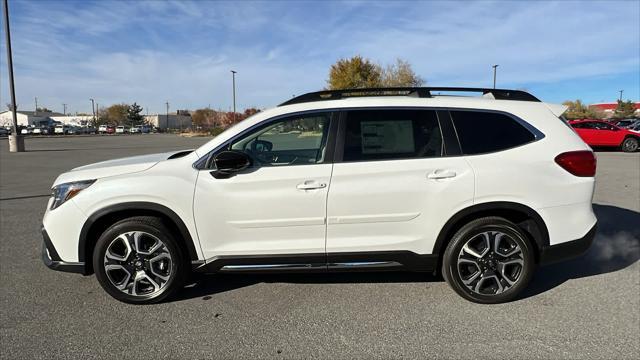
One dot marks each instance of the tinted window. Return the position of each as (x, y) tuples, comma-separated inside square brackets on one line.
[(391, 134), (298, 140), (483, 132)]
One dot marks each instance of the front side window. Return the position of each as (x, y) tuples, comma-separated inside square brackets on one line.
[(296, 140), (391, 134), (483, 132)]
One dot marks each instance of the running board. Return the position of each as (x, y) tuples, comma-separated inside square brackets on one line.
[(306, 267), (355, 261)]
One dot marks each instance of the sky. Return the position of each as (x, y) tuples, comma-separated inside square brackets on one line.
[(182, 52)]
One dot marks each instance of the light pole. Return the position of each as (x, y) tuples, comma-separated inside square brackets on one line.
[(64, 109), (16, 141), (166, 123), (36, 98), (621, 91), (495, 67), (93, 111), (233, 76)]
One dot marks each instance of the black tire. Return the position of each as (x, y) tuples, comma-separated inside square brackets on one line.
[(629, 145), (152, 228), (470, 233)]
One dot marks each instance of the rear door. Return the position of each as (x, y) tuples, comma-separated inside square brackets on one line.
[(393, 184)]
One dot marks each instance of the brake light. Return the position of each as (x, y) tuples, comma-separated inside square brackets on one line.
[(578, 163)]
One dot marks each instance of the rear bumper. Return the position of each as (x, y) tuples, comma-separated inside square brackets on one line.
[(568, 250), (52, 260)]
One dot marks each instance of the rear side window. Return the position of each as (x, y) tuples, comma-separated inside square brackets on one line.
[(391, 134), (483, 132)]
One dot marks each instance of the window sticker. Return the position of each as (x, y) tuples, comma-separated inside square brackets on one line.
[(387, 137)]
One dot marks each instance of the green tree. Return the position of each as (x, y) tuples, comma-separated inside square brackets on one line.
[(400, 74), (356, 72), (625, 109), (134, 115), (578, 110), (43, 109)]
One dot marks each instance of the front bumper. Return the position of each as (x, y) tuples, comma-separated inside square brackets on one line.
[(52, 260), (568, 250)]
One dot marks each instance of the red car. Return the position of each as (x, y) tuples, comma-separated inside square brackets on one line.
[(111, 129), (602, 133)]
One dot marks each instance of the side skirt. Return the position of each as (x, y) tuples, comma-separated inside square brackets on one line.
[(331, 262)]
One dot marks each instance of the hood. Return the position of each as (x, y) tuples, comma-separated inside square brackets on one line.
[(116, 167)]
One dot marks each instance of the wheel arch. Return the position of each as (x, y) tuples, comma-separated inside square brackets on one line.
[(525, 217), (100, 220)]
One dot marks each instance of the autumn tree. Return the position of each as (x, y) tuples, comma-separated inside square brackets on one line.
[(400, 74), (359, 72), (578, 110), (625, 109), (356, 72), (204, 118), (116, 114), (134, 115)]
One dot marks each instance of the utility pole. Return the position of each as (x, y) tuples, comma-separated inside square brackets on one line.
[(64, 109), (36, 98), (93, 111), (16, 141), (495, 67), (166, 124), (233, 75), (621, 91)]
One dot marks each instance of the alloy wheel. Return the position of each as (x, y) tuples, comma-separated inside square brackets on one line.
[(490, 263), (138, 263)]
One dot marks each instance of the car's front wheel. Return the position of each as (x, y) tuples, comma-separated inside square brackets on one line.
[(629, 144), (488, 261), (137, 260)]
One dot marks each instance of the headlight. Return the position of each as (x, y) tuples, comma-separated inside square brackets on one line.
[(63, 192)]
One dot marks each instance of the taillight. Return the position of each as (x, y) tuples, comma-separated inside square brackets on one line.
[(579, 163)]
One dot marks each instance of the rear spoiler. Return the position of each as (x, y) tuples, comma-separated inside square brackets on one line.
[(557, 109)]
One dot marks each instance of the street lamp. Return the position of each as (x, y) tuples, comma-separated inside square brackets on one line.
[(620, 91), (495, 67), (93, 111), (16, 141), (233, 76)]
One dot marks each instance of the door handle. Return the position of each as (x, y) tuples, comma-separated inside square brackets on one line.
[(311, 185), (441, 174)]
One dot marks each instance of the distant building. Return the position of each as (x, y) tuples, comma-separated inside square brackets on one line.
[(181, 120), (26, 118), (609, 108)]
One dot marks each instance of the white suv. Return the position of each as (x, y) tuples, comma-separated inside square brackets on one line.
[(483, 189)]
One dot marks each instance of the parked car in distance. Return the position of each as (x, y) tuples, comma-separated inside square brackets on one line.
[(37, 131), (102, 129), (475, 188), (604, 134), (136, 129), (4, 131), (122, 129), (110, 129), (62, 129), (27, 130)]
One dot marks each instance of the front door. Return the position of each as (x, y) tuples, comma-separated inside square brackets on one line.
[(277, 206)]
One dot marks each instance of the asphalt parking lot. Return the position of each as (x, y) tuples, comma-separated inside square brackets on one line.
[(588, 308)]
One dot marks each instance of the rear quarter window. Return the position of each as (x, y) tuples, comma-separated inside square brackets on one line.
[(484, 132)]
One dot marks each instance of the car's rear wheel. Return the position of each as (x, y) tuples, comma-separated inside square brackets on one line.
[(488, 261), (629, 144), (137, 260)]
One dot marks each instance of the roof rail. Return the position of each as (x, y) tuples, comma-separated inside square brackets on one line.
[(421, 92)]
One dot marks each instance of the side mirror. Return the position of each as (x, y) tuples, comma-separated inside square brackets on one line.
[(230, 162)]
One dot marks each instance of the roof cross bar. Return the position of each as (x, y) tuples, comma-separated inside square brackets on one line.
[(420, 92)]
